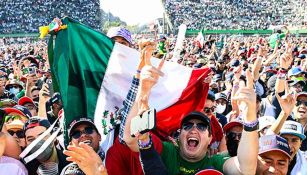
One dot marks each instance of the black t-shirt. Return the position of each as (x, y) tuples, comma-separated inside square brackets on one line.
[(304, 144), (34, 164), (291, 165), (222, 119)]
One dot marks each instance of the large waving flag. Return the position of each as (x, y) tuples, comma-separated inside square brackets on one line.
[(94, 74)]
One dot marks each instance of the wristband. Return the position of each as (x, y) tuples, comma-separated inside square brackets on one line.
[(251, 126), (281, 75), (283, 70), (145, 145), (138, 71)]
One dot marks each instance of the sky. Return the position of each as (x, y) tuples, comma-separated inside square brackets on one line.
[(134, 12)]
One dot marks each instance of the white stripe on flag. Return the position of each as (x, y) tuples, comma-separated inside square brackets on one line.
[(118, 77)]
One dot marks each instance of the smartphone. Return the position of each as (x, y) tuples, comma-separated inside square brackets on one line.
[(32, 70), (143, 123), (29, 70), (2, 118), (46, 80)]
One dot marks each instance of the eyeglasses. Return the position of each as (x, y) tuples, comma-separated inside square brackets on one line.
[(233, 135), (208, 110), (19, 133), (87, 131), (12, 117), (298, 103), (189, 125)]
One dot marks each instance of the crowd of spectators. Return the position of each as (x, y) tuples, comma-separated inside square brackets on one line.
[(25, 16), (267, 74), (234, 14)]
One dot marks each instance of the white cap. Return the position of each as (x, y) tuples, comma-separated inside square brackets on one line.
[(293, 128), (265, 121)]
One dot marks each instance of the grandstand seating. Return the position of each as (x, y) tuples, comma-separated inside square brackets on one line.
[(235, 14), (25, 16)]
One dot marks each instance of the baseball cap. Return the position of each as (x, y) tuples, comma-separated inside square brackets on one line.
[(120, 31), (80, 121), (19, 110), (270, 143), (24, 100), (55, 98), (36, 121), (217, 77), (220, 96), (265, 121), (232, 124), (196, 115), (293, 128), (7, 103), (295, 81), (234, 63), (72, 168), (295, 71), (301, 56), (302, 94), (211, 95)]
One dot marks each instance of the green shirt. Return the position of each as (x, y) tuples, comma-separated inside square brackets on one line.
[(162, 47), (273, 38), (175, 164)]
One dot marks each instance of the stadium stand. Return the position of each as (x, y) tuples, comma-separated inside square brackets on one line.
[(234, 14), (24, 16)]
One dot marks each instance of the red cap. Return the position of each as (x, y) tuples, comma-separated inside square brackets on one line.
[(231, 125), (24, 100)]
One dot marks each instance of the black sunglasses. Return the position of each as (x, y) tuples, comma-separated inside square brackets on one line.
[(208, 110), (298, 103), (233, 135), (19, 133), (87, 131), (189, 125)]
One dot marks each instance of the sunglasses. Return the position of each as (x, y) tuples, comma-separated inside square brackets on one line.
[(12, 117), (233, 135), (189, 125), (298, 103), (19, 133), (87, 131), (208, 110)]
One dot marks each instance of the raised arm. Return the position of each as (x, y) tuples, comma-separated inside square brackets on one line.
[(148, 78), (246, 160), (287, 103)]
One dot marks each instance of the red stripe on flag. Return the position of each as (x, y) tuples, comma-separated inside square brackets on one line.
[(193, 98)]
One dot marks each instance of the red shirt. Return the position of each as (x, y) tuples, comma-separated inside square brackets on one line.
[(121, 160)]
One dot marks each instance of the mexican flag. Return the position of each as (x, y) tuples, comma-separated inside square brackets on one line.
[(93, 75)]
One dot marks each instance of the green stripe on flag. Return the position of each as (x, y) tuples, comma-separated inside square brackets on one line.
[(78, 63)]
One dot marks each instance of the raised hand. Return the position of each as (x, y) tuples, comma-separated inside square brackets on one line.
[(246, 98), (287, 101), (86, 158), (148, 78)]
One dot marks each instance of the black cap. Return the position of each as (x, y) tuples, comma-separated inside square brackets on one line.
[(235, 63), (211, 95), (78, 122), (55, 98), (196, 115)]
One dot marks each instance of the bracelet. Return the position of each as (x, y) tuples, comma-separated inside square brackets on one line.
[(145, 145), (283, 70), (251, 126), (138, 71), (281, 75)]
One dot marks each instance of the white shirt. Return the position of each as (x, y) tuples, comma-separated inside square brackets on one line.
[(12, 166), (300, 167)]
